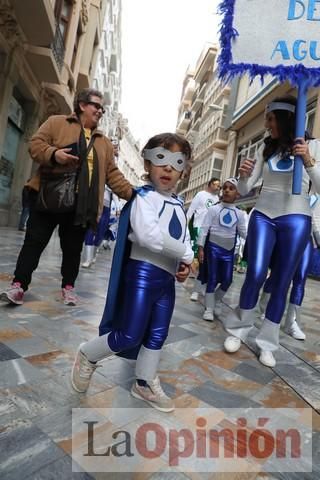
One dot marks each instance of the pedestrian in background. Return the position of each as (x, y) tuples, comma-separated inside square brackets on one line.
[(195, 215), (25, 203), (67, 147)]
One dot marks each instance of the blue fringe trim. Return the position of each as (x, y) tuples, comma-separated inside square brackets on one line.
[(295, 74)]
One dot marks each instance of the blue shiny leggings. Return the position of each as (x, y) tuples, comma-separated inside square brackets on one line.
[(95, 238), (299, 279), (220, 267), (287, 236), (147, 308)]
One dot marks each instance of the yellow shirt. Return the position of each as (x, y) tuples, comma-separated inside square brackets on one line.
[(87, 133)]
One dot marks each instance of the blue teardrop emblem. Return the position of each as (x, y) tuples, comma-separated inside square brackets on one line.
[(227, 218), (284, 163), (175, 227)]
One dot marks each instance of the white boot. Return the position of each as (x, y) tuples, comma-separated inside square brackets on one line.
[(267, 359), (263, 302), (291, 325), (238, 323), (232, 344), (219, 294), (209, 303), (89, 251), (106, 244), (268, 342), (95, 253), (196, 290), (194, 297)]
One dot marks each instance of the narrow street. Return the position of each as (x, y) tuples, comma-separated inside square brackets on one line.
[(37, 345)]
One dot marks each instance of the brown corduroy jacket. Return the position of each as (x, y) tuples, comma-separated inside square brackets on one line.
[(61, 131)]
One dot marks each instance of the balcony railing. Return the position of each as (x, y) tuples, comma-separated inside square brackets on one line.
[(198, 115), (184, 120), (58, 49)]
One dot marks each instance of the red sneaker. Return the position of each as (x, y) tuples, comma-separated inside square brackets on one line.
[(69, 296)]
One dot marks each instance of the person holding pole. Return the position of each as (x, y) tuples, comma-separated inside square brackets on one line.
[(280, 225)]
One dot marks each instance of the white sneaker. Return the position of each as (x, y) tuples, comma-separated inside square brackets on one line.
[(86, 264), (232, 344), (106, 245), (154, 395), (208, 315), (82, 371), (266, 358), (295, 331), (194, 297)]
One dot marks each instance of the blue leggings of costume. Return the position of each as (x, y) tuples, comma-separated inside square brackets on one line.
[(147, 308), (299, 279), (220, 267), (95, 238), (287, 236)]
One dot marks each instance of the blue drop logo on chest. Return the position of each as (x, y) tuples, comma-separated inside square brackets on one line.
[(175, 227), (227, 219), (284, 164)]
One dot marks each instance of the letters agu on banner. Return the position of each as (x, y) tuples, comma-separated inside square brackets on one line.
[(280, 37)]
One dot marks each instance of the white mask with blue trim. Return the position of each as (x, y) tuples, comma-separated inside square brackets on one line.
[(160, 156)]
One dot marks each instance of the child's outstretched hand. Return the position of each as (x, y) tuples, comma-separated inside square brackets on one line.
[(183, 272)]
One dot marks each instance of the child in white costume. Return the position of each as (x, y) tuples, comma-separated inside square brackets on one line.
[(160, 253), (198, 209), (223, 222)]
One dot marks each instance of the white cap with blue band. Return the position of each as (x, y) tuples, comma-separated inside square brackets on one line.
[(280, 106), (232, 180)]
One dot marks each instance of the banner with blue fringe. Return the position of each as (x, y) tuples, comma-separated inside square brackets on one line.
[(270, 37)]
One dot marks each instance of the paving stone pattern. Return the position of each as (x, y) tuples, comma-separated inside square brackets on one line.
[(37, 345)]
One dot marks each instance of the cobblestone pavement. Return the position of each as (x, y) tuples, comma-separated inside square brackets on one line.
[(37, 345)]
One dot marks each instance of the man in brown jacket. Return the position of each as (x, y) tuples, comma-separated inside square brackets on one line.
[(61, 145)]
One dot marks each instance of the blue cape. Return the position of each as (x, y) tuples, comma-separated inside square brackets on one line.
[(115, 294)]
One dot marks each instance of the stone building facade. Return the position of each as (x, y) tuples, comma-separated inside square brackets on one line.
[(48, 50)]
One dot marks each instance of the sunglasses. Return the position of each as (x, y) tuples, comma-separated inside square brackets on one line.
[(97, 106)]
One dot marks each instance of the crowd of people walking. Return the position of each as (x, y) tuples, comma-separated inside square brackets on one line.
[(76, 189)]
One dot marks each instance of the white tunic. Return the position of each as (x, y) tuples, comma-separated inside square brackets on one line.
[(199, 206), (107, 196), (315, 208), (224, 221), (159, 232), (276, 196)]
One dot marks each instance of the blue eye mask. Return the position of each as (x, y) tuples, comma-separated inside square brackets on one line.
[(160, 156)]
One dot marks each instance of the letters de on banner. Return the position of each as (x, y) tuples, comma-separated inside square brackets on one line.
[(275, 32)]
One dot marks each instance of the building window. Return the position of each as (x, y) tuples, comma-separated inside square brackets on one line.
[(63, 11), (216, 168), (249, 150), (310, 116), (102, 59), (105, 40), (105, 81), (76, 48)]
